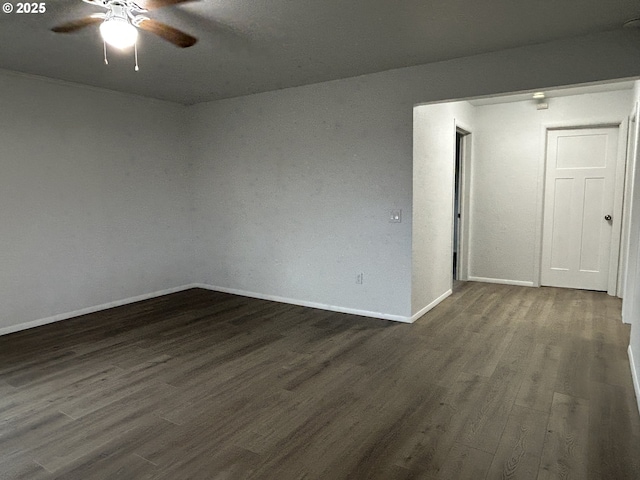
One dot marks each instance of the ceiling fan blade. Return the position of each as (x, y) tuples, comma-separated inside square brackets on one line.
[(155, 4), (76, 25), (170, 34)]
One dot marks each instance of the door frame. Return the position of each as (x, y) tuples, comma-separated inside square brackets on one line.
[(625, 247), (630, 291), (621, 161), (464, 235)]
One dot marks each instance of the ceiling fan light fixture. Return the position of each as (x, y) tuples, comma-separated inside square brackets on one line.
[(118, 32)]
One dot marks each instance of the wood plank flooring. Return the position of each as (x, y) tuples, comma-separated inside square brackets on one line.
[(497, 382)]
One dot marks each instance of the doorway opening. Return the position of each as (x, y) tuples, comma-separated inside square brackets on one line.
[(458, 199)]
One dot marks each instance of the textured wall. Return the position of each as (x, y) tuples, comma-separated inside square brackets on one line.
[(631, 301), (291, 189), (94, 198), (294, 187), (294, 192), (433, 189), (507, 182)]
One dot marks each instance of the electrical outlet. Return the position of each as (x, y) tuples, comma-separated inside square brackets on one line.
[(396, 216), (359, 278)]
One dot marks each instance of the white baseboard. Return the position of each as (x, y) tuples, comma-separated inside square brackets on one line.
[(117, 303), (85, 311), (304, 303), (634, 375), (502, 281), (424, 310)]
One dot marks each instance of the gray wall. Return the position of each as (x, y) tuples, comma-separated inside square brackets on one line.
[(291, 189), (294, 190), (508, 178), (433, 191), (93, 194), (631, 301), (294, 187)]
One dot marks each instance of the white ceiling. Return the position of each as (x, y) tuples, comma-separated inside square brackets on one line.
[(254, 46)]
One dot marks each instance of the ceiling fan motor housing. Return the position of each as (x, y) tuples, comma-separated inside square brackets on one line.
[(126, 4), (117, 12)]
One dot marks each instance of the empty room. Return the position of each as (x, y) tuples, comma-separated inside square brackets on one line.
[(319, 240)]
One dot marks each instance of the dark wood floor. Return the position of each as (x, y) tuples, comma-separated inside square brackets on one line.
[(497, 382)]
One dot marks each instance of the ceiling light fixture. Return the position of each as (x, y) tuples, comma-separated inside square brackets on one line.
[(118, 30), (119, 33), (119, 25), (541, 103)]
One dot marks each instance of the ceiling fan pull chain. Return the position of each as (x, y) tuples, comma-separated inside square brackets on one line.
[(135, 52), (106, 62)]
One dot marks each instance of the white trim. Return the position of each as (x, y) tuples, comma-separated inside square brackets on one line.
[(618, 200), (433, 304), (626, 203), (85, 311), (304, 303), (105, 306), (634, 375), (540, 192), (502, 281)]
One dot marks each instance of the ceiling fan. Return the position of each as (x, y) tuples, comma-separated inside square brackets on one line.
[(119, 24)]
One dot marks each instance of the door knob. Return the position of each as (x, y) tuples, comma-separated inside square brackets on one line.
[(607, 218)]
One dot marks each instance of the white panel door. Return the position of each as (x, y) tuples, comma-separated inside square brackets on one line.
[(578, 206)]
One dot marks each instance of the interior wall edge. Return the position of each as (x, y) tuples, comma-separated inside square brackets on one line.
[(85, 311), (431, 306), (634, 375)]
